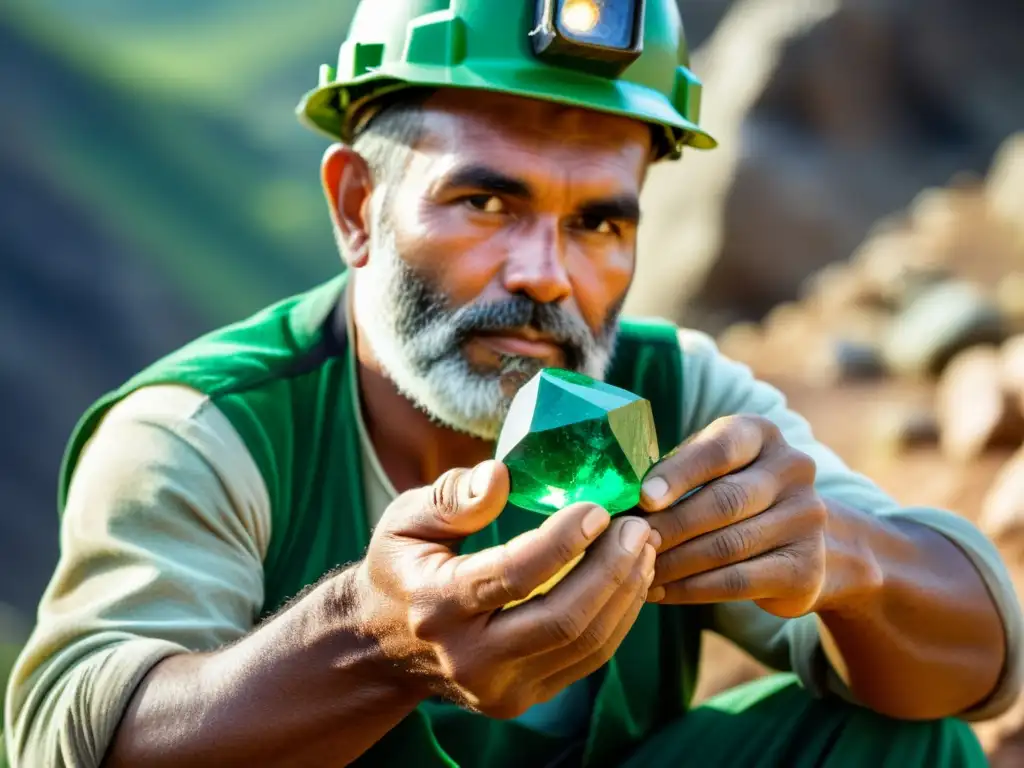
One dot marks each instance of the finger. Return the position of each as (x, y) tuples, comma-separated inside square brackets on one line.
[(721, 503), (777, 527), (782, 574), (459, 503), (728, 444), (562, 616), (597, 659), (494, 577)]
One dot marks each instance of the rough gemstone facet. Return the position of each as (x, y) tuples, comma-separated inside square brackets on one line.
[(569, 438)]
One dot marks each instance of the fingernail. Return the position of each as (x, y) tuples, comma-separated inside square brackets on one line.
[(595, 521), (634, 536), (656, 595), (655, 489), (480, 479), (655, 539)]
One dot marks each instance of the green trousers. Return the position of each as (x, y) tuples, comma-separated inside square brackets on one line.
[(773, 722)]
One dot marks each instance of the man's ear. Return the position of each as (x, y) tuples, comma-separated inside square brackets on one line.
[(348, 185)]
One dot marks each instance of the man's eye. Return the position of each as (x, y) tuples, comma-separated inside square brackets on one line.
[(597, 224), (486, 203)]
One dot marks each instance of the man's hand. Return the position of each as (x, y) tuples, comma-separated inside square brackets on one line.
[(755, 529), (437, 616)]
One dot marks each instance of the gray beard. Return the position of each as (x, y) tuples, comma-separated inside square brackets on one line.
[(418, 339)]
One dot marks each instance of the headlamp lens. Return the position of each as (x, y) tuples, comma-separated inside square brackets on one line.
[(608, 23)]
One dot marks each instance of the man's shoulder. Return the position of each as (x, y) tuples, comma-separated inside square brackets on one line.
[(164, 424), (247, 368)]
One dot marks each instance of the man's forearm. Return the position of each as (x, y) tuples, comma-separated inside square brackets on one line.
[(304, 689), (918, 634)]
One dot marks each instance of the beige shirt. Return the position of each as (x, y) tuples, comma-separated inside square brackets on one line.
[(168, 522)]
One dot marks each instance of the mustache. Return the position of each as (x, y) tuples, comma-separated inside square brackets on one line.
[(518, 313), (443, 330)]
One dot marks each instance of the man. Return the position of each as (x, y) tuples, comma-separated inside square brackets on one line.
[(285, 544)]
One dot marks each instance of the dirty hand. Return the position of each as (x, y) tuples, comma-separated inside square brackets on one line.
[(755, 528), (437, 616)]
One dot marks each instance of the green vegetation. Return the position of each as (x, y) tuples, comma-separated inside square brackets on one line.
[(181, 137)]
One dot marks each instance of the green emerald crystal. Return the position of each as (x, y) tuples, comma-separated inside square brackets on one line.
[(569, 438)]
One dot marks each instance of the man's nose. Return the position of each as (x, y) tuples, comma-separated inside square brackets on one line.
[(536, 266)]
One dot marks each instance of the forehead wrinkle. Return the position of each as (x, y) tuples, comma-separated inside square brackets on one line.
[(569, 151)]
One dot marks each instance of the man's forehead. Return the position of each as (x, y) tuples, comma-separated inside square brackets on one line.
[(479, 120)]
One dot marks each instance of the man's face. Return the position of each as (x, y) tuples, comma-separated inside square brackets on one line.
[(507, 246)]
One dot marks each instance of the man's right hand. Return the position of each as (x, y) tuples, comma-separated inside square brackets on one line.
[(436, 615)]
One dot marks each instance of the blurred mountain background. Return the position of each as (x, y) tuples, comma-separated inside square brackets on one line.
[(154, 183)]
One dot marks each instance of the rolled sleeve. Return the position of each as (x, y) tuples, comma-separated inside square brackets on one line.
[(714, 386), (162, 541)]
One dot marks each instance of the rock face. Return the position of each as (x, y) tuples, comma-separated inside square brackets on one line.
[(839, 114)]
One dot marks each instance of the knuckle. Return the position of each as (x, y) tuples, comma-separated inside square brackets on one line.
[(564, 627), (730, 498), (512, 583), (722, 450), (444, 494), (816, 510), (564, 549), (740, 431), (729, 544), (796, 566), (593, 639), (766, 428), (736, 582), (803, 465)]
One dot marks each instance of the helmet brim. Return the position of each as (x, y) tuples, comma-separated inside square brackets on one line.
[(328, 109)]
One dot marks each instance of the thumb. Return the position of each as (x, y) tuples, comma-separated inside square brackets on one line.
[(459, 503)]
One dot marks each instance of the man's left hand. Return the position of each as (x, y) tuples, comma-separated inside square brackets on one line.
[(754, 530)]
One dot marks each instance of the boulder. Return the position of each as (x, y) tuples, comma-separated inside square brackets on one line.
[(904, 427), (975, 410), (943, 320)]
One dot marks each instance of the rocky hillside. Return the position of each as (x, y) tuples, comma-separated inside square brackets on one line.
[(909, 361), (832, 114)]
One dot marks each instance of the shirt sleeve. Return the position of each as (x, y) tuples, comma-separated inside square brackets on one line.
[(163, 538), (714, 386)]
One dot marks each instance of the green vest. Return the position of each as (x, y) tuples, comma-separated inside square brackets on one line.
[(282, 378)]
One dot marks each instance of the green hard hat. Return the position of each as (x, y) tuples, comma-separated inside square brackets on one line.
[(624, 57)]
